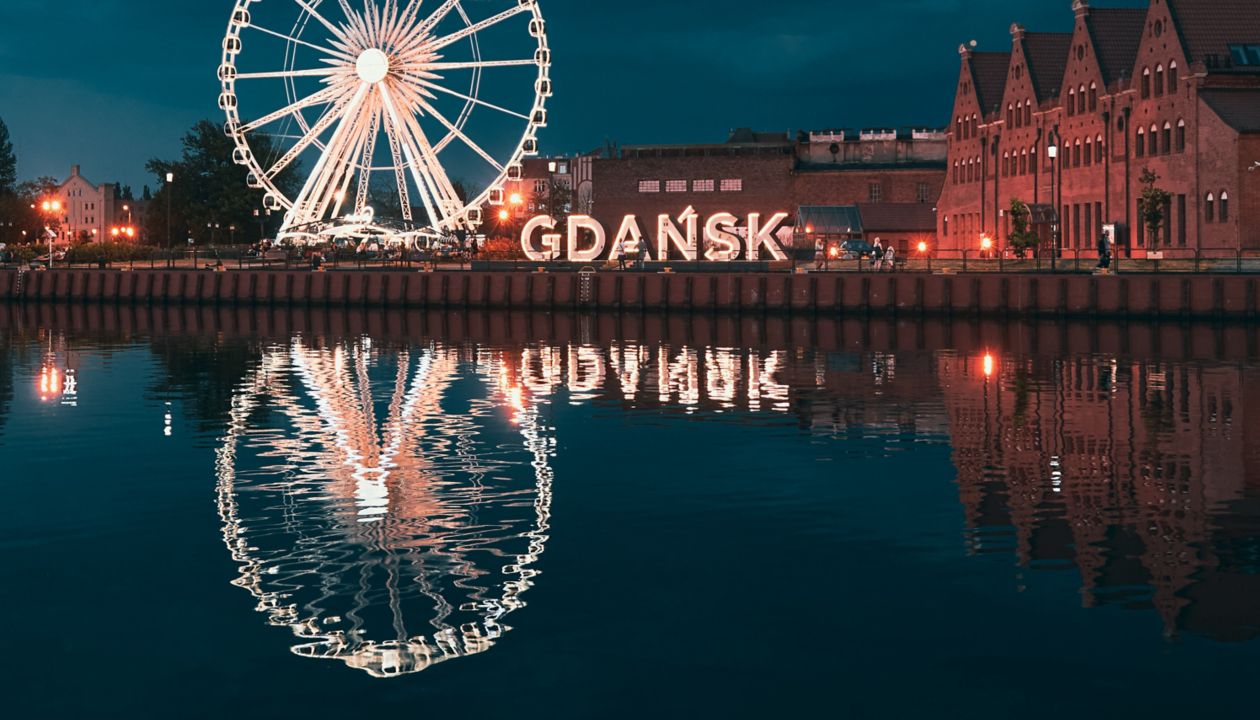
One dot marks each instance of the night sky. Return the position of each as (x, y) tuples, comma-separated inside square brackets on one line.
[(109, 84)]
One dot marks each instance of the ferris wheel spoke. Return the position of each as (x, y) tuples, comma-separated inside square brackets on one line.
[(337, 32), (477, 27), (311, 136), (313, 72), (435, 17), (432, 111), (365, 164), (479, 64), (434, 86), (319, 174), (298, 41), (323, 96), (400, 175)]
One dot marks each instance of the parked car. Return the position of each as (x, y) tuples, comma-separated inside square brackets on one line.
[(856, 249)]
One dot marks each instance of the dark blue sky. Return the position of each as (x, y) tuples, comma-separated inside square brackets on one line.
[(109, 84)]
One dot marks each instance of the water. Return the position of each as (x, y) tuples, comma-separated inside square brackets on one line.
[(305, 515)]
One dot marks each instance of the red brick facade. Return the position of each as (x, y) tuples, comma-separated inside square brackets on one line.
[(1127, 90)]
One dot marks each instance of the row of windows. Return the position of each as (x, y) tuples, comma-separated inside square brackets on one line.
[(1076, 100), (967, 171), (1149, 143), (680, 186), (1019, 115), (1076, 154), (1157, 84), (1209, 208), (1019, 163), (966, 128)]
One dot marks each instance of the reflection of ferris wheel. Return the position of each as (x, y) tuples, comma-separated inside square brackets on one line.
[(364, 92), (390, 544)]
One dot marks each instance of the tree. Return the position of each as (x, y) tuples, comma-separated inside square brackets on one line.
[(8, 162), (557, 201), (209, 188), (1151, 206), (1021, 237)]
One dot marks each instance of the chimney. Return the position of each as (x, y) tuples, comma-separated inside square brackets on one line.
[(1081, 8), (74, 171)]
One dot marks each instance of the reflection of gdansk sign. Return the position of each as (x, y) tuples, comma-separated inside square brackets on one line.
[(718, 238)]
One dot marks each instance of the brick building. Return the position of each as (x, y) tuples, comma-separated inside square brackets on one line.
[(769, 173), (1174, 88)]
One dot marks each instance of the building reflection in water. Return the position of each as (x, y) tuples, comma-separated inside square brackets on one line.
[(392, 544), (398, 543)]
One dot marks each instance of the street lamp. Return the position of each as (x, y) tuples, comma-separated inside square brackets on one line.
[(170, 178), (50, 207), (1052, 151)]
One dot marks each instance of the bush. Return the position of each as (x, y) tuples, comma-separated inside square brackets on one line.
[(109, 252)]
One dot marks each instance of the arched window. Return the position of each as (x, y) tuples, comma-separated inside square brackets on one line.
[(955, 172), (1080, 100), (975, 124), (1028, 112), (1098, 150), (1167, 137), (1153, 141), (1006, 164), (1224, 206), (1071, 103), (1146, 83), (958, 128), (1093, 97), (1032, 160), (1140, 146), (945, 227), (1076, 154), (1159, 81), (1181, 136), (1010, 115), (1172, 76), (1209, 208), (1023, 163), (1089, 153)]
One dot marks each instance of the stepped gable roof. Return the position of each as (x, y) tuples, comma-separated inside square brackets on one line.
[(1239, 108), (1117, 35), (989, 71), (1208, 27), (1047, 57)]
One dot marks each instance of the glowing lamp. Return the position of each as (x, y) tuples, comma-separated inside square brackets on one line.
[(503, 214), (922, 246), (986, 243), (833, 251), (809, 229), (515, 199), (989, 365)]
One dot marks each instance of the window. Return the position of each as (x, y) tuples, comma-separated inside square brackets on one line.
[(958, 128), (1159, 81), (1010, 115), (736, 185), (1245, 54), (945, 227), (649, 186), (1081, 100), (1006, 164), (1224, 206), (1141, 143), (1181, 136), (1146, 83), (1028, 112), (1076, 154), (1181, 220), (1023, 163), (923, 192), (955, 172), (1167, 138), (1071, 103), (1152, 147), (875, 192), (1093, 97), (1172, 76), (702, 186), (1209, 208), (540, 187), (675, 186)]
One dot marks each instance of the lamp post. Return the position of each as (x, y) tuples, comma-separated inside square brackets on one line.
[(1052, 151), (49, 207), (170, 179)]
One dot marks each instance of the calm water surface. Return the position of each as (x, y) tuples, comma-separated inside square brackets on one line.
[(210, 514)]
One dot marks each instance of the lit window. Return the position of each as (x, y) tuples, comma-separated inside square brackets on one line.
[(1224, 206), (702, 186), (875, 192), (736, 185), (675, 186), (1209, 209), (540, 187), (649, 186)]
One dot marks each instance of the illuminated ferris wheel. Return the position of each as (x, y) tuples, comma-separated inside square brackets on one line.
[(384, 107)]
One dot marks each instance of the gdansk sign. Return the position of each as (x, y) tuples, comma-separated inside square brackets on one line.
[(718, 238)]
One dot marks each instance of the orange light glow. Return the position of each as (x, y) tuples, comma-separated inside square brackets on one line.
[(809, 229), (516, 199), (833, 251), (503, 214), (922, 247), (986, 243), (989, 365), (49, 383)]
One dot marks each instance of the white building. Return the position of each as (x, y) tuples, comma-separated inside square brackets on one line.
[(87, 211)]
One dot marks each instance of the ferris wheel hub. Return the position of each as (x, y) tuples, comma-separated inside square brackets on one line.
[(372, 66)]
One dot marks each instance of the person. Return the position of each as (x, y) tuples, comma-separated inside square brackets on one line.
[(642, 254), (890, 258), (877, 255), (820, 257), (621, 254), (1104, 252)]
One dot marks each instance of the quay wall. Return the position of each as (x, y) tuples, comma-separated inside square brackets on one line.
[(985, 294)]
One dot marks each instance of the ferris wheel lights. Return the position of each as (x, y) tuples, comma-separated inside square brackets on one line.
[(372, 66)]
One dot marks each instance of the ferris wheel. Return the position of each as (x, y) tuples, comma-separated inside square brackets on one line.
[(417, 111)]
